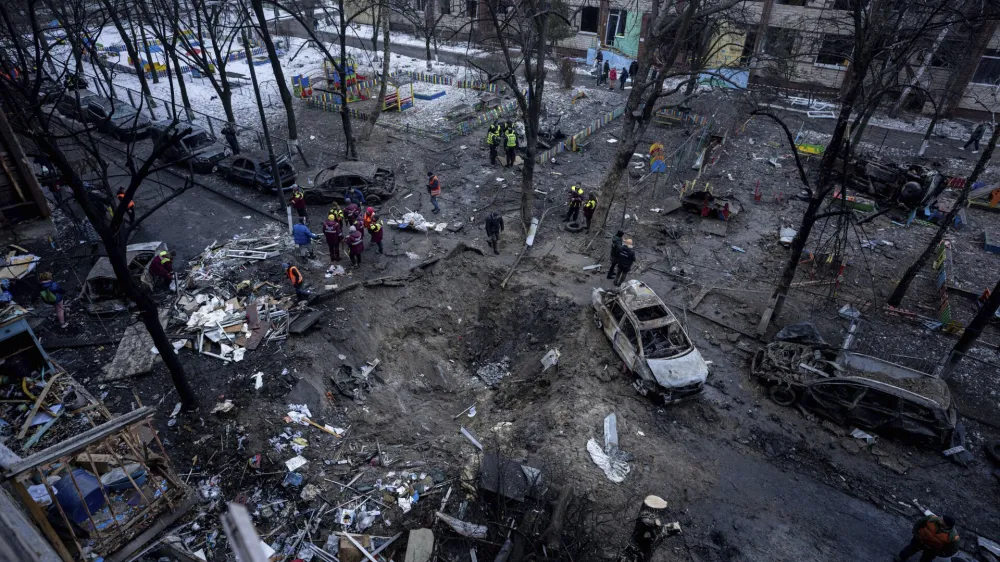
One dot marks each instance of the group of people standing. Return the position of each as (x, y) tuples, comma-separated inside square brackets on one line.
[(342, 227), (606, 74), (502, 135)]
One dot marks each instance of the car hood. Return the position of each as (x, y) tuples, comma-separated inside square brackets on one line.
[(675, 372), (211, 152)]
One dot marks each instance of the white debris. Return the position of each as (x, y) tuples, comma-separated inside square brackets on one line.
[(614, 468), (258, 382), (295, 463)]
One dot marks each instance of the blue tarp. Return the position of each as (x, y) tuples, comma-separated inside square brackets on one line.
[(612, 58), (725, 78)]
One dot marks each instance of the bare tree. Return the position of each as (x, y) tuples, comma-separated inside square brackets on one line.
[(159, 16), (425, 19), (383, 12), (279, 75), (115, 11), (56, 138)]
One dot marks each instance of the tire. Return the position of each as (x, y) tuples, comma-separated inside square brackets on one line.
[(993, 451), (575, 226), (373, 200), (782, 394)]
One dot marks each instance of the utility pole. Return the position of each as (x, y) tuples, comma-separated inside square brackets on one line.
[(972, 332), (267, 134)]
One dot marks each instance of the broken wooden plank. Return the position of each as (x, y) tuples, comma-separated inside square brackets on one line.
[(257, 330), (134, 355), (697, 299), (34, 409)]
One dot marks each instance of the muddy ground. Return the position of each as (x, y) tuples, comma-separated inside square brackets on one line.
[(745, 478)]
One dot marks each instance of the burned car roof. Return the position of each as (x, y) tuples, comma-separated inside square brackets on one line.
[(103, 270), (363, 169), (638, 295)]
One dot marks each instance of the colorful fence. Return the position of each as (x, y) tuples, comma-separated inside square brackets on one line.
[(448, 81), (575, 139), (942, 263), (685, 117)]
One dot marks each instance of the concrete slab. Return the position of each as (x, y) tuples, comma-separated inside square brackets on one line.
[(420, 546)]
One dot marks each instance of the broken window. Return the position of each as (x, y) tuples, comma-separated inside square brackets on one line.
[(988, 71), (779, 42), (628, 328), (445, 7), (917, 411), (471, 7), (880, 400), (617, 312), (664, 342), (835, 50), (948, 53), (589, 17), (648, 313)]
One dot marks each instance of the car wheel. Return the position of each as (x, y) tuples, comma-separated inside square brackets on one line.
[(574, 226), (373, 200), (597, 322), (783, 394)]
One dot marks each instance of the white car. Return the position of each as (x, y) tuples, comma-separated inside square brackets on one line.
[(651, 342)]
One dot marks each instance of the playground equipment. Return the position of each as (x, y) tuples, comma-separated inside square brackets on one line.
[(657, 164), (333, 75), (400, 99)]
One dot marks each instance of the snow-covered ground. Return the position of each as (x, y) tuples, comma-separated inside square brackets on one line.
[(364, 31)]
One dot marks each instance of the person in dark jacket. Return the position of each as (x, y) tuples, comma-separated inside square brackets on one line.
[(162, 267), (354, 195), (303, 238), (604, 72), (52, 293), (494, 226), (977, 134), (599, 62), (299, 203), (229, 131), (616, 248), (623, 77), (333, 231), (575, 201), (626, 257), (633, 69), (355, 245), (933, 537), (352, 213)]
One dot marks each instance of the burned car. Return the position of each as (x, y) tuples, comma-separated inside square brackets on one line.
[(253, 169), (857, 390), (196, 146), (651, 342), (102, 295), (114, 117), (377, 184)]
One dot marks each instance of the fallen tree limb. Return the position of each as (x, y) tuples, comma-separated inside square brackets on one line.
[(553, 533)]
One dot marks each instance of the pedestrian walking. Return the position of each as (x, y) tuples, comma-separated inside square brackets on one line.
[(355, 245), (511, 143), (633, 69), (604, 72), (575, 201), (612, 77), (494, 226), (52, 293), (333, 231), (977, 134), (229, 131), (623, 77), (933, 537), (162, 267), (375, 231), (434, 189), (297, 280), (616, 248), (626, 257), (588, 209), (303, 239), (299, 203), (130, 210)]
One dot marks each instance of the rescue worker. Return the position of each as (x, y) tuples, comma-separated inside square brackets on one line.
[(299, 202), (493, 141), (130, 212), (434, 189), (351, 214), (511, 143), (162, 267), (575, 200), (933, 537), (229, 131), (303, 239), (298, 282), (338, 213), (626, 257), (355, 245), (369, 217), (494, 226), (52, 293), (354, 195), (588, 209), (375, 230), (616, 248), (333, 230)]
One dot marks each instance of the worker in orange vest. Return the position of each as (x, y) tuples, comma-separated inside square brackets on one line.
[(434, 188), (369, 217), (298, 282), (933, 537), (130, 212)]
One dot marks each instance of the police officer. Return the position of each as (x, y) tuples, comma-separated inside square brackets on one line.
[(511, 143), (575, 200)]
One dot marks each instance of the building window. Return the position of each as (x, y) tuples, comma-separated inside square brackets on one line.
[(589, 18), (616, 26), (835, 50), (471, 7), (792, 2), (779, 42), (445, 7), (988, 71), (419, 5), (947, 54)]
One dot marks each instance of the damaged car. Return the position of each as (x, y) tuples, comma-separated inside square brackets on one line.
[(102, 294), (852, 389), (196, 146), (253, 169), (651, 341), (376, 184)]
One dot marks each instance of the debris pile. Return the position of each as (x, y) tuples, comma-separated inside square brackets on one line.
[(218, 260), (493, 373), (226, 328)]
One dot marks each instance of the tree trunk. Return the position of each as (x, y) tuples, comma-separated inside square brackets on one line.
[(279, 75), (345, 113), (149, 54), (924, 64), (930, 131), (972, 332), (384, 80), (904, 284), (182, 85), (133, 54), (429, 25), (427, 46)]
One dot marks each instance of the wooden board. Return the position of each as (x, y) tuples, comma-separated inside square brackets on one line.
[(133, 356), (257, 330), (304, 321)]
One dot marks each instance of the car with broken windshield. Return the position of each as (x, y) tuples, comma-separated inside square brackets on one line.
[(376, 184), (854, 389), (651, 342), (102, 294), (196, 146), (253, 169)]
